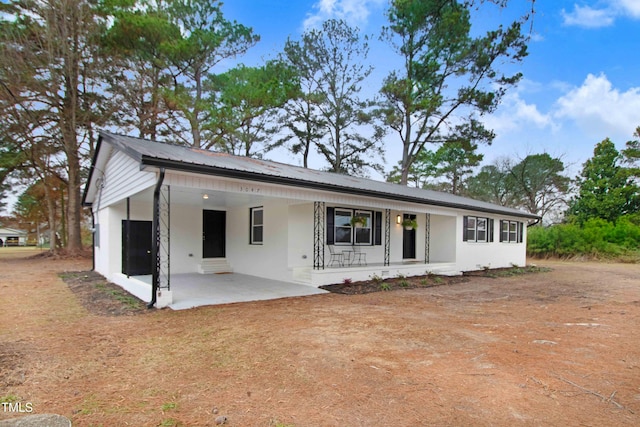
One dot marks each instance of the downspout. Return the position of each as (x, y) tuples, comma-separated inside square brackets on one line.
[(93, 241), (155, 244), (128, 234)]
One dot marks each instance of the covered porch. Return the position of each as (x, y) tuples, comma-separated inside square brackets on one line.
[(356, 273), (292, 245)]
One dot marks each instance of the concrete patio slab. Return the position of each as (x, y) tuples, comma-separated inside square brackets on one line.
[(195, 290)]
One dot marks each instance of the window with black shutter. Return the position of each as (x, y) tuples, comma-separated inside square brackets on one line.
[(343, 229), (477, 229), (511, 231)]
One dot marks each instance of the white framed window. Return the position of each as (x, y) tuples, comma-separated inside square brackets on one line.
[(511, 231), (342, 226), (349, 226), (477, 229), (256, 228), (470, 229), (362, 231)]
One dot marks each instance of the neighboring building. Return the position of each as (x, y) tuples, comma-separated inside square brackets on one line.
[(162, 209), (12, 237)]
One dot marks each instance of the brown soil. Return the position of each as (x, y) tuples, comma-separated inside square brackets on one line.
[(551, 348)]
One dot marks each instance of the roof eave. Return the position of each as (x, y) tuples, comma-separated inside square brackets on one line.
[(91, 171), (274, 179)]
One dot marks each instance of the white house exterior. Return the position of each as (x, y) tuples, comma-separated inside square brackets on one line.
[(12, 237), (161, 209)]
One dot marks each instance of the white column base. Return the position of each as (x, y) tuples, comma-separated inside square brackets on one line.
[(163, 298)]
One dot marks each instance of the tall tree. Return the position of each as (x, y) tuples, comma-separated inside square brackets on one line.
[(53, 75), (606, 188), (539, 181), (444, 169), (40, 205), (207, 39), (301, 115), (139, 73), (424, 168), (493, 184), (631, 155), (247, 99), (455, 162), (332, 70), (448, 77)]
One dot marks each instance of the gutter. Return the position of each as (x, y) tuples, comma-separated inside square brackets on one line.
[(155, 249), (536, 222)]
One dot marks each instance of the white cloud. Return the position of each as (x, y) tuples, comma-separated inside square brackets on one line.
[(600, 109), (604, 16), (355, 12), (515, 114), (588, 17), (627, 7)]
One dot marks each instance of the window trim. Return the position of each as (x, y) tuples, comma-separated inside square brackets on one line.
[(512, 236), (473, 231), (346, 226), (253, 225), (369, 227), (371, 215)]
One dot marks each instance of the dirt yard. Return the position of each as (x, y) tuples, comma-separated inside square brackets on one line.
[(551, 348)]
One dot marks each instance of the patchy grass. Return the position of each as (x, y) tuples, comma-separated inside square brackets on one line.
[(101, 297), (507, 272), (9, 398)]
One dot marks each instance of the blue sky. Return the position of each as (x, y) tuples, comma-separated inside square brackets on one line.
[(581, 79)]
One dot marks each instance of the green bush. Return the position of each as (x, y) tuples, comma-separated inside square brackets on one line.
[(596, 238)]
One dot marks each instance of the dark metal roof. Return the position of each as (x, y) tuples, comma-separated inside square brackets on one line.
[(176, 157)]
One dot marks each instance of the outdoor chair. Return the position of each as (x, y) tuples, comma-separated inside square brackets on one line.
[(358, 256), (335, 257)]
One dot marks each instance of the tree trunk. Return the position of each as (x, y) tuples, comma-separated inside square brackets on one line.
[(74, 219), (70, 141), (51, 208), (406, 161), (195, 116)]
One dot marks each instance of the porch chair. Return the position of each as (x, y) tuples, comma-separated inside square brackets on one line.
[(358, 256), (335, 257)]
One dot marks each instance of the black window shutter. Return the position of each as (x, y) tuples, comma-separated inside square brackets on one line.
[(520, 227), (330, 223), (490, 220), (501, 228), (464, 228), (378, 229)]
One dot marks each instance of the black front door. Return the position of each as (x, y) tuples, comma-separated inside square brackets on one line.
[(136, 247), (409, 240), (213, 234)]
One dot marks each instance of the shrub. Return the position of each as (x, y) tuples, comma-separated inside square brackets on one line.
[(596, 238)]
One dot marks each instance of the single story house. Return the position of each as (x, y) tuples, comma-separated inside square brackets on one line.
[(161, 209), (12, 237)]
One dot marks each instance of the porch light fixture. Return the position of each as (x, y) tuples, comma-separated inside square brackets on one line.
[(205, 196), (399, 219)]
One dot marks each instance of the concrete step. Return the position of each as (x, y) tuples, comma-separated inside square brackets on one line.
[(302, 275), (214, 266)]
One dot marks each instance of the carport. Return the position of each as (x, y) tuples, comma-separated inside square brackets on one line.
[(195, 290)]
